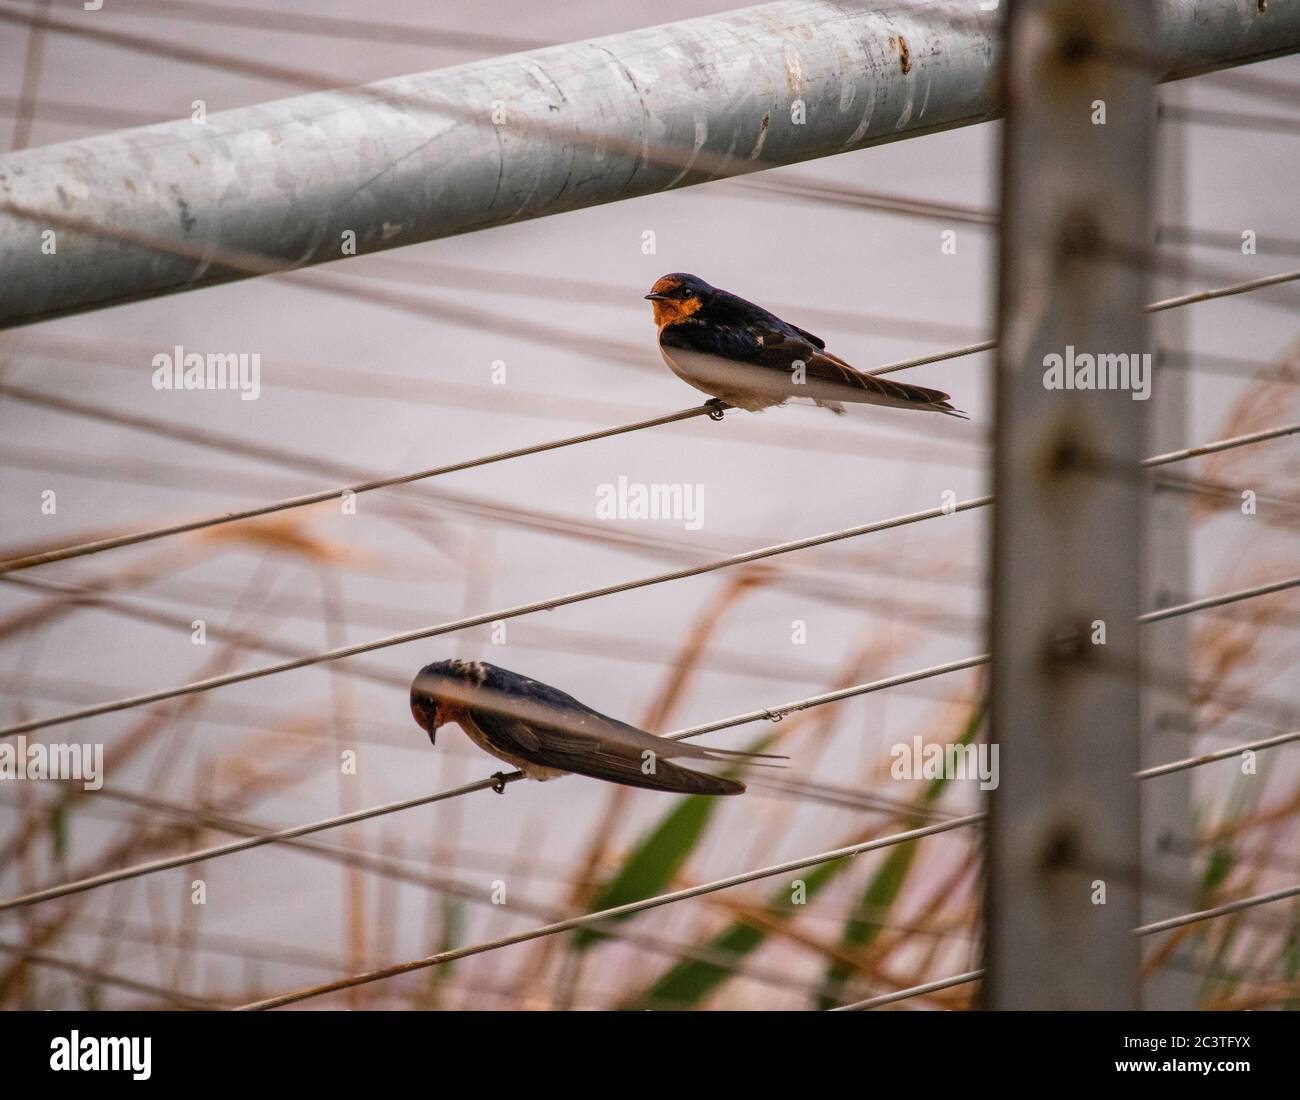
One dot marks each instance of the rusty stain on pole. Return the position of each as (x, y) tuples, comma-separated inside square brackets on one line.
[(335, 173)]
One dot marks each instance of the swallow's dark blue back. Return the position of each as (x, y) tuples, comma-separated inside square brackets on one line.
[(729, 326)]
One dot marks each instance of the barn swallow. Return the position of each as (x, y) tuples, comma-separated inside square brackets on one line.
[(545, 733), (742, 355)]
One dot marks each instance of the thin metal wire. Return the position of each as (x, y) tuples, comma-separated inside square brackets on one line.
[(1153, 307), (771, 714), (1159, 926), (665, 899), (293, 502), (1195, 296), (1220, 445), (876, 438), (722, 884), (301, 501), (400, 869), (589, 643), (589, 594), (411, 505), (614, 912), (559, 290), (911, 991), (1217, 911), (121, 874), (96, 546), (777, 713), (1218, 601), (833, 579), (288, 606), (411, 869), (229, 848), (1144, 930), (1220, 754), (258, 265), (493, 616)]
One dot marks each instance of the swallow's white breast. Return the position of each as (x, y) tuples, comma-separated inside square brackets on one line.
[(740, 384)]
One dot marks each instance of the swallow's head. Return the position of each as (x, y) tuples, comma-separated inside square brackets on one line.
[(677, 296), (438, 693)]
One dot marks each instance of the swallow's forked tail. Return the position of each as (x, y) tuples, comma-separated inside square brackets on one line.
[(873, 389), (741, 752), (670, 776), (886, 391), (748, 759)]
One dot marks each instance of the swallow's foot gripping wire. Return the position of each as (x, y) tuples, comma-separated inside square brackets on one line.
[(717, 408), (500, 785)]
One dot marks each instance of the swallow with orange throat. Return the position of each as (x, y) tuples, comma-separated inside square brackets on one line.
[(742, 355), (546, 734)]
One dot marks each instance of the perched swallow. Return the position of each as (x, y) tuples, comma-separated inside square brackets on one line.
[(545, 733), (742, 355)]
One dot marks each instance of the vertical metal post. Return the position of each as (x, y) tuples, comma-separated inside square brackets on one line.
[(1166, 808), (1063, 858)]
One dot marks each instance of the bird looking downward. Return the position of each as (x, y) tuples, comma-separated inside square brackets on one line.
[(745, 356), (545, 733)]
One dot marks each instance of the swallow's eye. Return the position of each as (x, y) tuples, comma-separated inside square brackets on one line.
[(682, 292)]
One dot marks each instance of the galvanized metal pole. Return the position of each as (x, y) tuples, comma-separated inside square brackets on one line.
[(336, 173), (1062, 895), (1166, 802)]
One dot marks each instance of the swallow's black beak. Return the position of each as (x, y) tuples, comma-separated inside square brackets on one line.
[(426, 722), (653, 297)]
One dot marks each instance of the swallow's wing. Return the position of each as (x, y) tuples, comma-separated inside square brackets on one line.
[(729, 309), (804, 334), (579, 719), (792, 363), (585, 741), (596, 754), (641, 741)]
